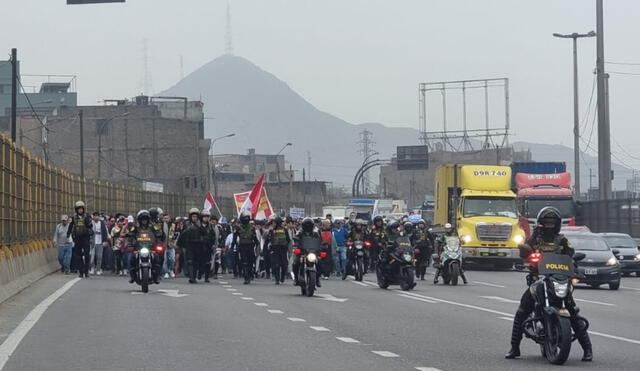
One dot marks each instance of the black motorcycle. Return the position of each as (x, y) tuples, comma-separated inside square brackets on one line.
[(148, 253), (309, 254), (396, 267), (357, 259), (550, 283)]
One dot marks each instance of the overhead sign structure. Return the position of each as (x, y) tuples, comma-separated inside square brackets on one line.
[(412, 157), (80, 2)]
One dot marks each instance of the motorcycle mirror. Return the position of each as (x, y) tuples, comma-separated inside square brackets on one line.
[(579, 256), (615, 252)]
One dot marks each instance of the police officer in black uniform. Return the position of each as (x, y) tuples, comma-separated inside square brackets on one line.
[(279, 240), (142, 229), (307, 230), (547, 238), (378, 239), (357, 233), (421, 239), (81, 231), (246, 239), (209, 237), (190, 241)]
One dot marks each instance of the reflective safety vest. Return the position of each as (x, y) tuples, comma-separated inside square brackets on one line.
[(247, 234), (279, 237)]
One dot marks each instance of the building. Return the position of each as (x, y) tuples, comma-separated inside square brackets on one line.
[(129, 142), (414, 185), (41, 91)]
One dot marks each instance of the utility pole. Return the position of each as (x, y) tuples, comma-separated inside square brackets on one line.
[(14, 92), (81, 114), (309, 164), (576, 114), (367, 151), (604, 133)]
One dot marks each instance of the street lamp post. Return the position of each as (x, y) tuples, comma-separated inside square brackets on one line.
[(277, 163), (212, 169), (576, 118)]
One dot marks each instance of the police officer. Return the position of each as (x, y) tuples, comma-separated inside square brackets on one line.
[(307, 230), (421, 239), (449, 231), (209, 241), (81, 232), (190, 241), (246, 239), (278, 239), (547, 238), (358, 233), (142, 229), (378, 239)]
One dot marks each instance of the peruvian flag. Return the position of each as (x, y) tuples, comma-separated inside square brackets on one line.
[(209, 202), (252, 203)]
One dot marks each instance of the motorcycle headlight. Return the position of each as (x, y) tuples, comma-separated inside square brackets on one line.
[(560, 289), (612, 261), (408, 257), (453, 248), (637, 257), (311, 257), (359, 247), (518, 239), (144, 252), (466, 238)]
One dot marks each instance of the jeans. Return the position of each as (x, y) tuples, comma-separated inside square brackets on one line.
[(96, 255), (117, 261), (126, 260), (169, 261), (64, 256), (340, 259)]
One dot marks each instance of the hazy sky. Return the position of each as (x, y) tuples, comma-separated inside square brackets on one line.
[(360, 60)]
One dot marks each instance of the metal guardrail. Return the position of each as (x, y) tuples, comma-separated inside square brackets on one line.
[(34, 194), (618, 215)]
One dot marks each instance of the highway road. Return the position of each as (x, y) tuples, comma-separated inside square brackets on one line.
[(104, 323)]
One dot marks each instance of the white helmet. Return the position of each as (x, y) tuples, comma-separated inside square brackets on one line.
[(80, 204), (194, 210)]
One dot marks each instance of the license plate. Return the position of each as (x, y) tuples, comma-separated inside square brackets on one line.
[(591, 271)]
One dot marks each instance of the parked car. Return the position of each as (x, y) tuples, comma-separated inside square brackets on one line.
[(600, 266), (628, 252), (575, 228)]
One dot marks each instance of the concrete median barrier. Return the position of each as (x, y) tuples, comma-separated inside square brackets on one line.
[(22, 265)]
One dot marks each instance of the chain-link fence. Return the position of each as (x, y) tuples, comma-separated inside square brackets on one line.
[(619, 215), (34, 195)]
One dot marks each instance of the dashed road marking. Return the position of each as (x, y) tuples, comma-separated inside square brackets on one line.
[(237, 293), (295, 319), (261, 304), (384, 353), (418, 299), (246, 298), (227, 286), (360, 283), (223, 283), (319, 328), (275, 311), (232, 289), (488, 284), (632, 341), (501, 299), (595, 302), (468, 306), (427, 369), (348, 340)]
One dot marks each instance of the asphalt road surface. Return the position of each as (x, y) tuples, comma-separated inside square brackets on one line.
[(104, 323)]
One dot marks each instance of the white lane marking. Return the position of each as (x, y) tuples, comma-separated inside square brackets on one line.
[(261, 304), (227, 286), (469, 306), (275, 311), (348, 340), (384, 353), (488, 284), (360, 283), (510, 319), (237, 293), (418, 299), (427, 369), (232, 289), (295, 319), (615, 337), (595, 302), (319, 328), (223, 283), (374, 284), (630, 288), (11, 343), (246, 298), (329, 297), (501, 299)]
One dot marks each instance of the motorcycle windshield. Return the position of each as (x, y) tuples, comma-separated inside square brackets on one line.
[(403, 246), (310, 244), (556, 264)]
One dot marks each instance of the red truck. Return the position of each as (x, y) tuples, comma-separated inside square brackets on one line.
[(536, 191)]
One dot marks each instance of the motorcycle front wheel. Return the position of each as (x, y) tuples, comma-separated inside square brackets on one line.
[(557, 343), (145, 279), (454, 273), (407, 282), (311, 283), (382, 282)]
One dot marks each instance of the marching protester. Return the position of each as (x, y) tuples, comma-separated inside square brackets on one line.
[(100, 239), (64, 244), (339, 253), (118, 236)]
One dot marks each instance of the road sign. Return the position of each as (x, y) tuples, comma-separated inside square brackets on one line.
[(412, 157), (296, 212)]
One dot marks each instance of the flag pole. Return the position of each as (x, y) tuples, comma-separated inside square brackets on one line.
[(217, 208)]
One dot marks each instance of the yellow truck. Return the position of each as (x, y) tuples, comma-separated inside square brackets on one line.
[(478, 201)]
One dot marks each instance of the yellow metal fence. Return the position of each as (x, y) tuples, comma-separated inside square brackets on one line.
[(34, 195)]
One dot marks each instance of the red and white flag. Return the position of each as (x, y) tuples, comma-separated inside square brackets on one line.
[(209, 202), (252, 204)]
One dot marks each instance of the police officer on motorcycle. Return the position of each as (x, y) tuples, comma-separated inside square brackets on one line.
[(449, 231), (246, 239), (307, 230), (421, 239), (547, 238), (378, 239), (278, 239), (357, 233), (143, 226)]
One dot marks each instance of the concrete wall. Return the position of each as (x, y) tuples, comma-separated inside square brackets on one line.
[(22, 265)]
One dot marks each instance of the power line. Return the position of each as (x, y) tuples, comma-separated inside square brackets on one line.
[(585, 120), (624, 63), (624, 73)]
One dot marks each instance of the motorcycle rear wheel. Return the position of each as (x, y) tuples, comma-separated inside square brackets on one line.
[(144, 282), (557, 343)]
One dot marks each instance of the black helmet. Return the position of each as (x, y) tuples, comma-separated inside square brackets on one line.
[(378, 219), (392, 226), (143, 214), (307, 225), (245, 219), (278, 221), (549, 219), (408, 226), (154, 212)]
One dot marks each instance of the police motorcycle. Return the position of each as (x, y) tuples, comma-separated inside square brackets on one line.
[(550, 282), (358, 252), (148, 252), (309, 254), (397, 266), (450, 260)]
